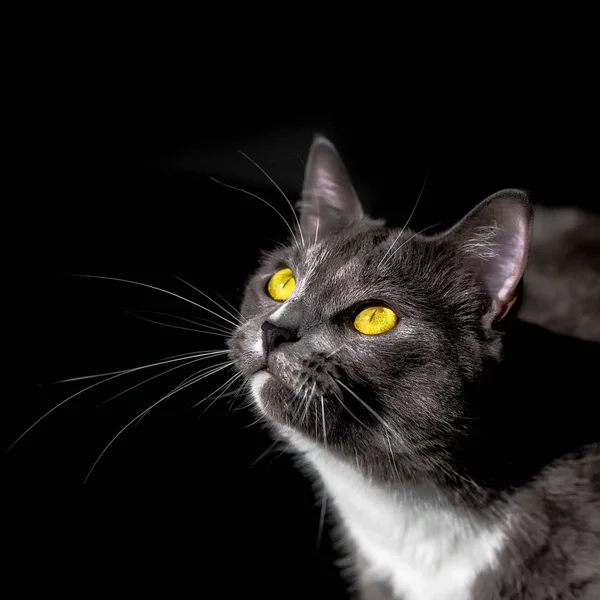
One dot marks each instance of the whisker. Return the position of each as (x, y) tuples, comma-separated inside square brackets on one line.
[(209, 298), (282, 193), (203, 373), (349, 411), (199, 375), (155, 377), (214, 326), (164, 361), (256, 421), (407, 222), (233, 187), (324, 497), (411, 237), (335, 351), (202, 370), (264, 454), (308, 401), (113, 376), (235, 310), (322, 519), (374, 413), (392, 455), (203, 331), (199, 322), (136, 419), (225, 387), (303, 400), (153, 287), (241, 388), (323, 420)]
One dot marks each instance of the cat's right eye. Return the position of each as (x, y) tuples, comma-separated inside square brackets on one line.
[(281, 285), (374, 320)]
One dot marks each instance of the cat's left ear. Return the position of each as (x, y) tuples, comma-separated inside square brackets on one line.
[(329, 202), (493, 242)]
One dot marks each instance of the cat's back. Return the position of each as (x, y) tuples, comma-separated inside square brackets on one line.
[(554, 536)]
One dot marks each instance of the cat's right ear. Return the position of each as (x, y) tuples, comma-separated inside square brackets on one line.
[(329, 202), (493, 243)]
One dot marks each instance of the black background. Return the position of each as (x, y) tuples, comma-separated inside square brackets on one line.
[(176, 504)]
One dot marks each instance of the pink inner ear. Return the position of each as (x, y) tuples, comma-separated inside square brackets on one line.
[(328, 189), (515, 263)]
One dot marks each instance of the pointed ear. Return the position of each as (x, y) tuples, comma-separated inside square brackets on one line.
[(493, 241), (329, 202)]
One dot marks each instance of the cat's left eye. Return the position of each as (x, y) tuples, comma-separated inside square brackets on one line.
[(281, 285), (374, 320)]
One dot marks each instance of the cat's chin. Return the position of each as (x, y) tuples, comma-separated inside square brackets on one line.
[(275, 399), (268, 392)]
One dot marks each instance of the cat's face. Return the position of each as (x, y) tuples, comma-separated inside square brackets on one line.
[(369, 340)]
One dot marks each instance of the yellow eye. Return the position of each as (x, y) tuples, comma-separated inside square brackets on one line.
[(281, 285), (375, 319)]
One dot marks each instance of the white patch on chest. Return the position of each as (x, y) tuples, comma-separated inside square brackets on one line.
[(413, 539)]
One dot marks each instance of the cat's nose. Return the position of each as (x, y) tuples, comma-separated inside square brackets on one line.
[(274, 336)]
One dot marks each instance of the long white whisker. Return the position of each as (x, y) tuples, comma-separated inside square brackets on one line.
[(137, 419), (235, 310), (223, 387), (335, 351), (308, 401), (166, 360), (322, 519), (377, 416), (118, 374), (214, 326), (264, 454), (203, 370), (155, 377), (324, 498), (411, 237), (236, 394), (202, 374), (199, 322), (226, 386), (282, 193), (203, 331), (233, 187), (323, 421), (153, 287), (392, 455), (304, 399), (209, 298), (198, 376), (256, 421), (407, 222), (349, 411)]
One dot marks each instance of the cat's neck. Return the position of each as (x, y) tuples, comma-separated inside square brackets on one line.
[(412, 535)]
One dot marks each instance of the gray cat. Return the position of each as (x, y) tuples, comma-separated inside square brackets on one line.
[(457, 444)]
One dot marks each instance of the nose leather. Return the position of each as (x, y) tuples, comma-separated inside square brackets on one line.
[(274, 336)]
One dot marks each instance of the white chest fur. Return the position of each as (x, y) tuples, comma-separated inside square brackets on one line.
[(413, 539)]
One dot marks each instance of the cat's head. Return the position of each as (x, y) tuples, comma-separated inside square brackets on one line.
[(366, 339)]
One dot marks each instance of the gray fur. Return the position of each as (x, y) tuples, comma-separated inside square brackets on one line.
[(451, 401)]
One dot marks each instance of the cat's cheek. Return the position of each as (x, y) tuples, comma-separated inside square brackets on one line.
[(260, 386), (258, 381)]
